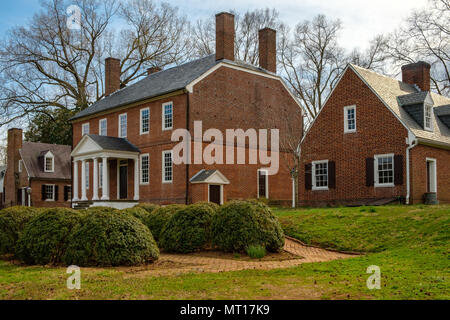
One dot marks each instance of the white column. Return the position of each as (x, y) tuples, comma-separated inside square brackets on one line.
[(95, 194), (105, 183), (83, 181), (136, 179), (75, 181)]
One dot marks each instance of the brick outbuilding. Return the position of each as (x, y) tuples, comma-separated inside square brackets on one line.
[(377, 140), (37, 174)]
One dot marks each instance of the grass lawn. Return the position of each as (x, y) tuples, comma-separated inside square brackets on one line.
[(409, 244)]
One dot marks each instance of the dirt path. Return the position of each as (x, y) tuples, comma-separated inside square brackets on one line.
[(176, 264)]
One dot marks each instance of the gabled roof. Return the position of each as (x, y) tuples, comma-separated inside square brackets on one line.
[(209, 176), (32, 154), (415, 98), (389, 90), (165, 82), (113, 143)]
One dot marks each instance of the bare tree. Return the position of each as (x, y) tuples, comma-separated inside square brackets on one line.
[(426, 36), (312, 61), (247, 26), (46, 66), (375, 57)]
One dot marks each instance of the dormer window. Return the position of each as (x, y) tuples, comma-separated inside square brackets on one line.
[(428, 113), (49, 162)]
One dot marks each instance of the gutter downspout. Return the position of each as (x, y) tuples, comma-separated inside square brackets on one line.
[(189, 148), (408, 178)]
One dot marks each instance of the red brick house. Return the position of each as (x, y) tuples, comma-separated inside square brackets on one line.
[(378, 139), (37, 174), (122, 143)]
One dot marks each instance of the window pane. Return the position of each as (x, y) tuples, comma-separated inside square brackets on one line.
[(321, 175), (145, 120), (144, 169), (85, 129), (49, 192), (385, 168), (168, 174), (168, 116), (123, 126), (100, 174), (103, 128), (48, 164)]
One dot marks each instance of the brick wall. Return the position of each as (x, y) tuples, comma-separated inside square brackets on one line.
[(378, 132), (36, 195), (419, 157)]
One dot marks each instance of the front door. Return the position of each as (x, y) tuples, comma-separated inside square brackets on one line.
[(215, 194), (431, 176), (123, 182)]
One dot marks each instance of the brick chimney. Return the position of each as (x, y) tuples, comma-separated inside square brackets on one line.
[(153, 70), (418, 74), (268, 49), (12, 160), (225, 34), (112, 75)]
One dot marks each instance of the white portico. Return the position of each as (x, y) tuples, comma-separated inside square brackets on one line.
[(101, 154)]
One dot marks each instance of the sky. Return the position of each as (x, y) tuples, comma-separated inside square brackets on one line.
[(362, 20)]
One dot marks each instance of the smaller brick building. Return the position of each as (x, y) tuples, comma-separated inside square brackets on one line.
[(378, 139), (37, 174)]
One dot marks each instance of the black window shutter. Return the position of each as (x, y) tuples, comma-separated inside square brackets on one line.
[(332, 175), (19, 197), (44, 195), (308, 176), (370, 179), (66, 193), (56, 193), (398, 170)]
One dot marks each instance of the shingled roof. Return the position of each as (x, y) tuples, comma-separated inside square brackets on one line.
[(154, 85), (161, 83), (32, 157), (389, 90), (113, 143)]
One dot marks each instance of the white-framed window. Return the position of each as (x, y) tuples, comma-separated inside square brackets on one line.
[(20, 166), (145, 121), (103, 127), (49, 162), (384, 170), (87, 175), (50, 192), (428, 117), (100, 175), (167, 116), (85, 129), (320, 175), (350, 119), (123, 125), (167, 167), (145, 169)]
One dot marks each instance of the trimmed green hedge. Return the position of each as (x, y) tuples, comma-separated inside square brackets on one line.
[(45, 237), (240, 224), (12, 223), (110, 238), (149, 207), (189, 229), (157, 219)]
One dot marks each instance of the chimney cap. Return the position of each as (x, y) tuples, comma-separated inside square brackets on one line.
[(267, 29), (416, 64), (111, 58), (224, 12)]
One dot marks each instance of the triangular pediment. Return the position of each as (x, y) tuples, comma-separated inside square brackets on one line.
[(86, 146)]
